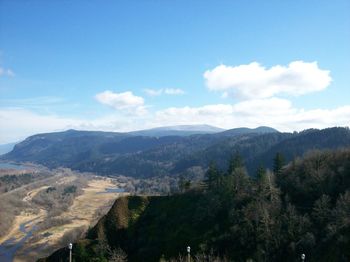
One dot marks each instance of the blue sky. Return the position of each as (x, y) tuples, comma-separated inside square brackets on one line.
[(125, 65)]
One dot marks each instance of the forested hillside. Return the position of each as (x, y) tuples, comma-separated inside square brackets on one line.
[(302, 207), (109, 153)]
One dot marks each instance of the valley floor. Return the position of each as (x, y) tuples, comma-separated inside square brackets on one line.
[(35, 233)]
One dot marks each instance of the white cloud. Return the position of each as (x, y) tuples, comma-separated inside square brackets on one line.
[(153, 92), (126, 101), (21, 123), (275, 112), (6, 72), (167, 91), (255, 81), (174, 91)]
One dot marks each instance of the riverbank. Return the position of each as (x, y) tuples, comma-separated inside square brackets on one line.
[(29, 244)]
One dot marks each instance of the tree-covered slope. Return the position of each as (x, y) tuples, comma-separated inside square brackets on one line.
[(147, 156), (302, 208)]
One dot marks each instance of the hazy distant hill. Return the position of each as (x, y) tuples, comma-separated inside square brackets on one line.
[(245, 130), (5, 148), (181, 130), (128, 154)]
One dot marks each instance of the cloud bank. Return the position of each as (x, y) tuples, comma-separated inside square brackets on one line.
[(126, 102), (255, 81), (275, 112)]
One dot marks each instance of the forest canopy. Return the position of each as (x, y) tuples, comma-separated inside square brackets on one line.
[(299, 208)]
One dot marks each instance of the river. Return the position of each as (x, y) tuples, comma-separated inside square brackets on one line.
[(112, 190), (10, 246), (6, 165)]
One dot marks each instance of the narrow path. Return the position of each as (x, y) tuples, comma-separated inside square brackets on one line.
[(33, 193)]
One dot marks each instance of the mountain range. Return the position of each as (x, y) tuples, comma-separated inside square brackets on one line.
[(159, 151)]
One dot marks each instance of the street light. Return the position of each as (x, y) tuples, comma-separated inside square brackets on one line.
[(189, 254), (303, 257), (70, 246)]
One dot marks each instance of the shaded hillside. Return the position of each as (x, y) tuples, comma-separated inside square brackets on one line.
[(245, 130), (147, 156), (61, 148), (113, 153), (301, 208), (297, 145), (259, 150)]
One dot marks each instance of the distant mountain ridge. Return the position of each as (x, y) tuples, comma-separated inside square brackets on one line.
[(109, 153), (5, 148), (180, 130), (246, 130)]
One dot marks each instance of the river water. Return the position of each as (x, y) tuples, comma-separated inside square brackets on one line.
[(5, 165), (112, 190), (10, 246)]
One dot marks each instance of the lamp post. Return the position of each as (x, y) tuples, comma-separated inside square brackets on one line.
[(303, 257), (70, 246), (189, 254)]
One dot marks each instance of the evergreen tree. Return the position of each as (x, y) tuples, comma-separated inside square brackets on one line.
[(261, 173), (278, 163), (235, 162), (239, 183), (212, 177)]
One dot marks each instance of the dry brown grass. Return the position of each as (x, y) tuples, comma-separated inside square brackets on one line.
[(72, 223)]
